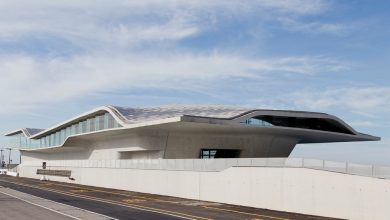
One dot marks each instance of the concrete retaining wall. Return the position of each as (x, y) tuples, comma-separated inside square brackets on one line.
[(297, 190)]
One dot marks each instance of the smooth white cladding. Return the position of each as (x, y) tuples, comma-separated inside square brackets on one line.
[(107, 117), (58, 137)]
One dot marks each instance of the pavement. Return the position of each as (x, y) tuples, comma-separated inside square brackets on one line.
[(17, 205), (120, 204), (12, 208)]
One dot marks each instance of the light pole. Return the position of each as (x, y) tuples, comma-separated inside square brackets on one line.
[(9, 156), (1, 157)]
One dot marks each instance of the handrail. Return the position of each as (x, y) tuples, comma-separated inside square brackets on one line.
[(217, 165)]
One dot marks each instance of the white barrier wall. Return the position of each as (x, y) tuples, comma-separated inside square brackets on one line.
[(299, 190)]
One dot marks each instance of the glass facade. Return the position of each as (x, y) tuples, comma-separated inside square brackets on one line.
[(257, 122), (57, 138)]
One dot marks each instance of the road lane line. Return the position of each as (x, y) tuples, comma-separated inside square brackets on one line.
[(51, 201), (143, 197), (113, 193), (70, 216), (246, 213), (82, 188), (139, 207)]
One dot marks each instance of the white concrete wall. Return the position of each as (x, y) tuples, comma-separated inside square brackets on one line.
[(188, 145), (297, 190), (175, 145)]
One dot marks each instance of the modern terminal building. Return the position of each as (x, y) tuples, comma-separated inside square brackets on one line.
[(181, 132), (214, 153)]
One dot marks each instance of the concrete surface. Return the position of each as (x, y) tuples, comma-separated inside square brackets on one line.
[(297, 190), (14, 209), (132, 205), (16, 205)]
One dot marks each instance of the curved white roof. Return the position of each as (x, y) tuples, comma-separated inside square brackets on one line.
[(129, 117), (136, 115), (28, 132)]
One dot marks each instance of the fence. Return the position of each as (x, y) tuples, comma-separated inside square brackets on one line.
[(215, 165)]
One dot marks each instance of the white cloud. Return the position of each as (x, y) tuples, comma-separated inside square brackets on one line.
[(95, 24), (363, 100), (111, 34), (293, 24), (30, 81)]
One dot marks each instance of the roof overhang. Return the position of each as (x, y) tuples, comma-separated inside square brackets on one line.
[(183, 126), (214, 124)]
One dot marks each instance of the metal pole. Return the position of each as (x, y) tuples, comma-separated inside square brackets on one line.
[(9, 156), (1, 156)]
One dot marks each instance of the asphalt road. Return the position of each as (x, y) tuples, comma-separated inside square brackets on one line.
[(121, 204), (15, 209)]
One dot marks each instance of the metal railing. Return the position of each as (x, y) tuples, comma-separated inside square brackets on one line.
[(216, 165)]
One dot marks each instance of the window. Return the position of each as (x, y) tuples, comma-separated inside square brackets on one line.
[(96, 123), (57, 138), (101, 122), (219, 153), (88, 122), (84, 126), (106, 117), (62, 136), (52, 140), (76, 128), (255, 121)]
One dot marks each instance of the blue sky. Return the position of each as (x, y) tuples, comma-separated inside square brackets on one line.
[(61, 58)]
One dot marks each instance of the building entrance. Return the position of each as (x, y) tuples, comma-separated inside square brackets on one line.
[(219, 153)]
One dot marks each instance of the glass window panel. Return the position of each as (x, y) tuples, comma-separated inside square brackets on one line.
[(88, 125), (110, 121), (72, 130), (101, 122), (83, 126), (106, 118), (96, 123), (62, 136), (24, 142), (68, 131), (116, 125), (77, 128), (93, 124), (57, 138), (80, 131)]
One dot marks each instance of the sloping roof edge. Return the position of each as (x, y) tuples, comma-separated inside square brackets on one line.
[(122, 120)]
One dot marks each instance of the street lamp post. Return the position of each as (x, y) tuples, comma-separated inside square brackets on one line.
[(9, 156), (1, 157)]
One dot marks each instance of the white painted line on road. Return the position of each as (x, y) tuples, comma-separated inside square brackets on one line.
[(54, 202), (170, 213), (40, 206)]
